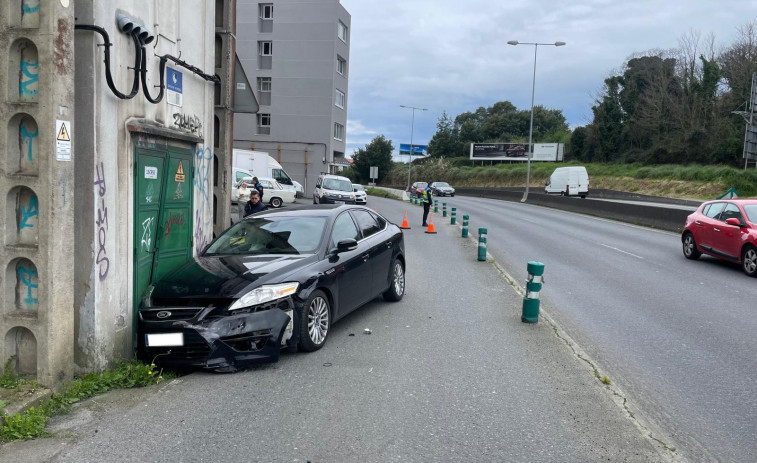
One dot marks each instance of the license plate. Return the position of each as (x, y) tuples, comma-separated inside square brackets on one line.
[(164, 340), (338, 202)]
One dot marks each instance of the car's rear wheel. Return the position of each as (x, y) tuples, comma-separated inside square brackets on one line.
[(397, 286), (690, 250), (276, 202), (749, 260), (315, 322)]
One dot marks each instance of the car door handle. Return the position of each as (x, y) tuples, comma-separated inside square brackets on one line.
[(388, 244), (365, 257), (698, 222), (716, 229)]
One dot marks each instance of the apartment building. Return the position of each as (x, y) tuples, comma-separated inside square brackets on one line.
[(296, 53)]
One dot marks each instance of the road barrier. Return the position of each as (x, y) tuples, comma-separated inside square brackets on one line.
[(436, 205), (482, 244), (444, 209), (465, 226), (453, 216), (533, 286)]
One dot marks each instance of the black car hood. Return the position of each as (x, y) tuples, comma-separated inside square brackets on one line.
[(227, 276)]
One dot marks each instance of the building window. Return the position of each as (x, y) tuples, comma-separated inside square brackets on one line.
[(264, 124), (341, 65), (339, 99), (341, 32), (265, 48), (266, 10), (338, 132), (264, 84)]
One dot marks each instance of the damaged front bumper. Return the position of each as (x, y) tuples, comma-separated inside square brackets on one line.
[(222, 343)]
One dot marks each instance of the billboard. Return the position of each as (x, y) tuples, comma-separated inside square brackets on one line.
[(516, 152), (418, 150)]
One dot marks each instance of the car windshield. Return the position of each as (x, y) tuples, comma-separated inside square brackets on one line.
[(358, 187), (442, 184), (270, 235), (751, 212), (337, 184)]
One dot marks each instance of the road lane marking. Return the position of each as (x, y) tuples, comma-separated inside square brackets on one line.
[(620, 250)]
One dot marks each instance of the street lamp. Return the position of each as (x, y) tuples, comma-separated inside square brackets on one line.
[(531, 129), (412, 124)]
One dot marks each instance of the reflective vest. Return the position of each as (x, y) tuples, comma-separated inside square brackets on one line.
[(425, 197)]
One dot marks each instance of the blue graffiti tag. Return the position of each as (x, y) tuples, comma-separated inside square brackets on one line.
[(31, 9), (25, 276), (25, 134), (202, 181), (27, 214), (33, 78)]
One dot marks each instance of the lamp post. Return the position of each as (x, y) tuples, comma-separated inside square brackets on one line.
[(531, 128), (412, 124)]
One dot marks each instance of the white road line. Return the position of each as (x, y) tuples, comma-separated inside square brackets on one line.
[(620, 250)]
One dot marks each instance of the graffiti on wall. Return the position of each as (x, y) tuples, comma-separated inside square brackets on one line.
[(26, 135), (25, 276), (173, 219), (203, 225), (28, 212), (28, 78), (102, 262), (146, 241), (188, 123)]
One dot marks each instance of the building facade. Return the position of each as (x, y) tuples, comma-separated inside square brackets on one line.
[(116, 128), (296, 54)]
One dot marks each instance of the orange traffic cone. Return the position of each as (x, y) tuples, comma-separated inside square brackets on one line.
[(430, 228), (405, 225)]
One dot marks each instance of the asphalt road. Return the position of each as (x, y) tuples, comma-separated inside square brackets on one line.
[(677, 336), (448, 374)]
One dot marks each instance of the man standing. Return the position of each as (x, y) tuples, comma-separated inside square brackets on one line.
[(258, 186), (427, 198), (254, 204), (244, 196)]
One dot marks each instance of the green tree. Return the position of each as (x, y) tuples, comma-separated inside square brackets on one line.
[(446, 140), (376, 153)]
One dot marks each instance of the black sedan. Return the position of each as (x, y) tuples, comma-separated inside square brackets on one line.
[(273, 281)]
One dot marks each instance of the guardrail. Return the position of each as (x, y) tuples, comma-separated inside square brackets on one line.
[(651, 215)]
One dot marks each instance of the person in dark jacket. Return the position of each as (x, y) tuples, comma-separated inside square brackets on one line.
[(258, 186), (254, 204), (427, 199)]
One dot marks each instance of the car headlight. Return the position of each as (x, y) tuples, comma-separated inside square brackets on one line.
[(263, 294)]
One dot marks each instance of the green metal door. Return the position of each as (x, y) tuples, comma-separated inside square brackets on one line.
[(163, 214)]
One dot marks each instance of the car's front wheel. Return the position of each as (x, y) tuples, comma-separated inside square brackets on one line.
[(397, 286), (749, 260), (690, 250), (276, 202), (315, 322)]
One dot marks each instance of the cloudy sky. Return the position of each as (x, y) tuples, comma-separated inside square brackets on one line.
[(453, 55)]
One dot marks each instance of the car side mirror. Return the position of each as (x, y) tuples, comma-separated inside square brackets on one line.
[(346, 245), (733, 221)]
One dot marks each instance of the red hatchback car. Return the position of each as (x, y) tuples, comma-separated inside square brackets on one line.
[(726, 229)]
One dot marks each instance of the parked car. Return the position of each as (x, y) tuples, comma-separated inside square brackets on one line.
[(361, 197), (273, 193), (442, 189), (726, 229), (517, 150), (276, 280), (333, 189), (417, 188)]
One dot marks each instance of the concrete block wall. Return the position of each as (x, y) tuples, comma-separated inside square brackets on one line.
[(36, 188)]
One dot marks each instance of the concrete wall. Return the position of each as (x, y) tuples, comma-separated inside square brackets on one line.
[(107, 130), (304, 80)]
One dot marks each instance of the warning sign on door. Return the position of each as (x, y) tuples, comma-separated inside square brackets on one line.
[(179, 177), (63, 140)]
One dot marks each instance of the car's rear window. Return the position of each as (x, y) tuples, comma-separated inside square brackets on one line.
[(713, 210), (270, 235)]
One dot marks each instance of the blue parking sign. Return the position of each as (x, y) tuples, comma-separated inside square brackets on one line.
[(173, 80)]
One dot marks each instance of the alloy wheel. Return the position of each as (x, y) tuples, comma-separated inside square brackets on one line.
[(399, 279), (318, 320), (750, 261)]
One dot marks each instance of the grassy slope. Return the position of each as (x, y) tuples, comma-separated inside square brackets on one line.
[(676, 181)]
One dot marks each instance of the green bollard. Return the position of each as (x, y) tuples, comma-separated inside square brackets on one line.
[(533, 286), (444, 209), (436, 206), (482, 244), (410, 196), (453, 219), (465, 226)]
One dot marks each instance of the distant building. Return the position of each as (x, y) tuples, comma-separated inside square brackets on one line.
[(296, 54)]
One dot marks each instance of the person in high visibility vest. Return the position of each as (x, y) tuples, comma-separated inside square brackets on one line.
[(427, 199)]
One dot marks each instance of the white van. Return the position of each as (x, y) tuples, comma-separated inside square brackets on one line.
[(568, 181)]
